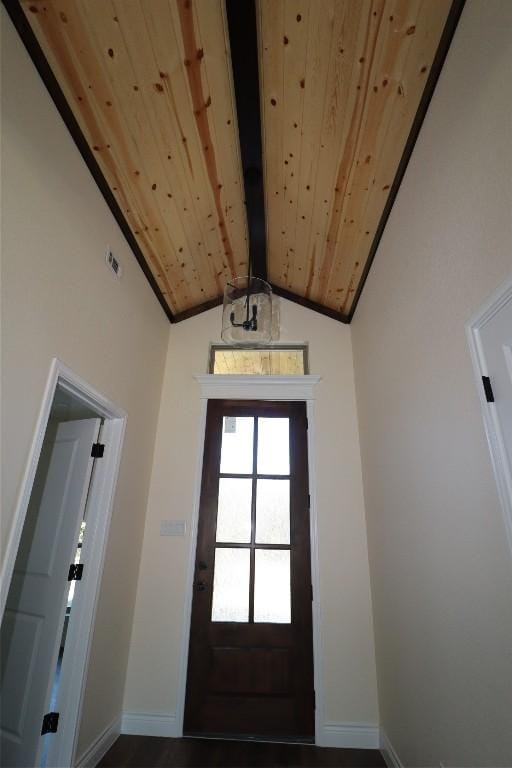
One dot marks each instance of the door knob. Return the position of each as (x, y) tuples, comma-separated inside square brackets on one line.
[(202, 565)]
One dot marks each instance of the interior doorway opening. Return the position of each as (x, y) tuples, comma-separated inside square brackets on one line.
[(52, 571)]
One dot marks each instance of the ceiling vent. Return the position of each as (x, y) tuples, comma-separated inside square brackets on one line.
[(113, 264)]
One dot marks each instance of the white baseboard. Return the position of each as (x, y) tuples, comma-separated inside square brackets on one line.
[(349, 735), (100, 746), (388, 752), (150, 724)]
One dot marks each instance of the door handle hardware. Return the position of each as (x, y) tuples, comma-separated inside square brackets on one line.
[(202, 565), (200, 586)]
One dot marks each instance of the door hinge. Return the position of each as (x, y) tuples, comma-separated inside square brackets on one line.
[(307, 423), (489, 394), (75, 572), (50, 723), (309, 501), (97, 450), (311, 590)]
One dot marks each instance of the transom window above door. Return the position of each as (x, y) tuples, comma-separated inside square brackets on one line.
[(252, 540), (275, 360)]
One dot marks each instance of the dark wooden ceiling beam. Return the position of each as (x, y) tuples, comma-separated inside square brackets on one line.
[(309, 304), (243, 40), (198, 309)]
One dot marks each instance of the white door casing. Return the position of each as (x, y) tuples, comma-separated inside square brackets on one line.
[(490, 341), (254, 387), (36, 602)]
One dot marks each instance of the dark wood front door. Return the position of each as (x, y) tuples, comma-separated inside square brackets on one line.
[(250, 667)]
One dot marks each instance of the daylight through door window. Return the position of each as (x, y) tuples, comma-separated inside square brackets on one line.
[(253, 522)]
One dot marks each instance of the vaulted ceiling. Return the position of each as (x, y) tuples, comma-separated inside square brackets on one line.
[(150, 90)]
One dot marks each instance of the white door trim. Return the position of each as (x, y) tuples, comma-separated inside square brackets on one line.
[(233, 387), (187, 606), (78, 640), (230, 387), (492, 430)]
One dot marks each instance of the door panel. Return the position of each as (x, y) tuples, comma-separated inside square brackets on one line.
[(496, 345), (34, 614), (251, 653)]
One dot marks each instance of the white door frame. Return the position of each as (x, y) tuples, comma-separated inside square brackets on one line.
[(99, 511), (232, 387), (491, 423)]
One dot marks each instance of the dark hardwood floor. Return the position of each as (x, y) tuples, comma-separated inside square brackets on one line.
[(153, 752)]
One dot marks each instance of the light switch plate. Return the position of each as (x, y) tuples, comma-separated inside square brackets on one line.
[(173, 527)]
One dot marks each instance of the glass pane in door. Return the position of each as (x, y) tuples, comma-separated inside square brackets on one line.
[(273, 446), (273, 512), (234, 510), (231, 585), (272, 598), (237, 445)]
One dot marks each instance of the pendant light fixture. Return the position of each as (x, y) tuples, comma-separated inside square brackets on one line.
[(247, 310)]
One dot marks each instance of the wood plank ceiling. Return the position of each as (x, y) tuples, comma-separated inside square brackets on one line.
[(344, 85), (341, 84), (149, 82)]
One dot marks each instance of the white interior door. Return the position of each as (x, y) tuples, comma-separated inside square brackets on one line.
[(36, 603), (496, 341), (492, 348)]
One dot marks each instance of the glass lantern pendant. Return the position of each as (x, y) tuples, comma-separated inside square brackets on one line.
[(247, 311)]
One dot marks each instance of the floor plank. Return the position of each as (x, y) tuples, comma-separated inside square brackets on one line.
[(153, 752)]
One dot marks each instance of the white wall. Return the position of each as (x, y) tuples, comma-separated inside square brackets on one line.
[(441, 571), (58, 299), (348, 654)]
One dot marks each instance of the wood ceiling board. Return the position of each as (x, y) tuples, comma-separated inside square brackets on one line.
[(365, 68), (150, 87)]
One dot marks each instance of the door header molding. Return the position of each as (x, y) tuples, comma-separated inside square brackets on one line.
[(232, 387)]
